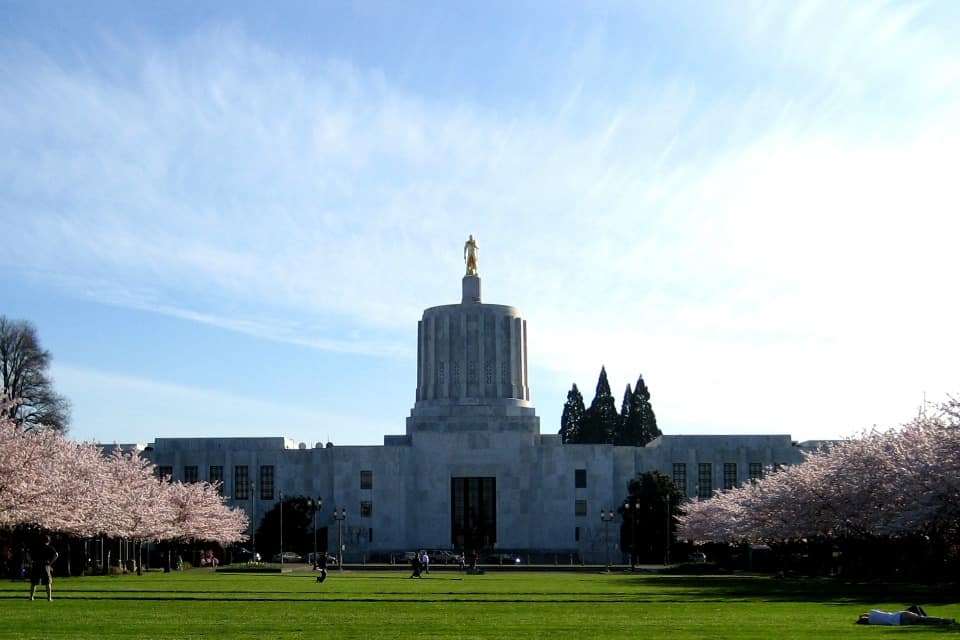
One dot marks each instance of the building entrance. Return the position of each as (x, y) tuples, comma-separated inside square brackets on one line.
[(473, 513)]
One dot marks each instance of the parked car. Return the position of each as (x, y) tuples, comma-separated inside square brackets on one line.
[(288, 556), (239, 554), (502, 558), (442, 556), (698, 556), (331, 559)]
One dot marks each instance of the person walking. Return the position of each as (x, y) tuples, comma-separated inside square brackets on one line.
[(41, 570)]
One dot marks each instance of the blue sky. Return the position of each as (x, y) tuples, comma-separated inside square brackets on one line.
[(225, 220)]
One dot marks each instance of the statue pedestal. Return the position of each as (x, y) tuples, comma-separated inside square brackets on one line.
[(471, 289)]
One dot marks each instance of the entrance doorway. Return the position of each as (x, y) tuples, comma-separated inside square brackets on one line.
[(473, 516)]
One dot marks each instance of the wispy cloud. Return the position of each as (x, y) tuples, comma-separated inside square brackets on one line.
[(115, 407), (769, 194)]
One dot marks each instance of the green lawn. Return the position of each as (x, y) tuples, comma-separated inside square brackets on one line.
[(363, 604)]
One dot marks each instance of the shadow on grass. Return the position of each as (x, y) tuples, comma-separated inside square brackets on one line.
[(826, 590), (405, 598)]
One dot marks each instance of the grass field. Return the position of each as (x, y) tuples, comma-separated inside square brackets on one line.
[(365, 604)]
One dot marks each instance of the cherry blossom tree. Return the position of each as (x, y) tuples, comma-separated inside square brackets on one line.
[(54, 483), (28, 484), (201, 514), (901, 482)]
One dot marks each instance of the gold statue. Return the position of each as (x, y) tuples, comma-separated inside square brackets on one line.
[(470, 249)]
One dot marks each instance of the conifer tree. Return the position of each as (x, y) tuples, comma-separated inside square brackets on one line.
[(625, 434), (601, 418), (642, 415), (571, 422)]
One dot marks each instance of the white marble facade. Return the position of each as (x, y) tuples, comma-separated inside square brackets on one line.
[(472, 419)]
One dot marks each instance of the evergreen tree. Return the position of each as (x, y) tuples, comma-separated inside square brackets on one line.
[(297, 528), (649, 511), (571, 422), (622, 434), (601, 418), (644, 419)]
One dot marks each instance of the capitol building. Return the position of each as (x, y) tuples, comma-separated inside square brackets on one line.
[(472, 469)]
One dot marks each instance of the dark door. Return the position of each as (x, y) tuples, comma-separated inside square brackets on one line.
[(473, 513)]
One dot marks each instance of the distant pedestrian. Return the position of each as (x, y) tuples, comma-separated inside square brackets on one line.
[(425, 561), (41, 571), (417, 567)]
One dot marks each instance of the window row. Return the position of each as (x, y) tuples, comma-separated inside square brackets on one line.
[(704, 486), (242, 484)]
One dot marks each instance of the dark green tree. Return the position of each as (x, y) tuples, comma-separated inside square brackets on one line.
[(649, 517), (571, 422), (297, 528), (622, 435), (601, 419), (643, 418)]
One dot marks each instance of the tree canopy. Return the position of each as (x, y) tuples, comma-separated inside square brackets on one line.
[(24, 376), (601, 420), (634, 425), (56, 484), (571, 422), (648, 516), (297, 519), (888, 484)]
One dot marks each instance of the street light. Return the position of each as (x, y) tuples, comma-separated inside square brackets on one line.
[(632, 506), (281, 529), (666, 557), (314, 506), (607, 518), (340, 517)]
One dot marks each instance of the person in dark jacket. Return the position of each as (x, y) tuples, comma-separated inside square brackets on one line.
[(41, 570)]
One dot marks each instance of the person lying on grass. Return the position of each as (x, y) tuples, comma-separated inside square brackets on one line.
[(913, 615)]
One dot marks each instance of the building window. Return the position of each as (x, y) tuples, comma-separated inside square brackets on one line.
[(729, 475), (366, 479), (756, 471), (215, 477), (190, 473), (680, 476), (580, 508), (370, 534), (705, 480), (241, 482), (266, 482), (366, 509), (163, 471), (580, 478)]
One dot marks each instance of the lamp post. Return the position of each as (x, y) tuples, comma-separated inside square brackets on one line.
[(281, 529), (632, 507), (666, 555), (314, 506), (340, 517), (607, 518)]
